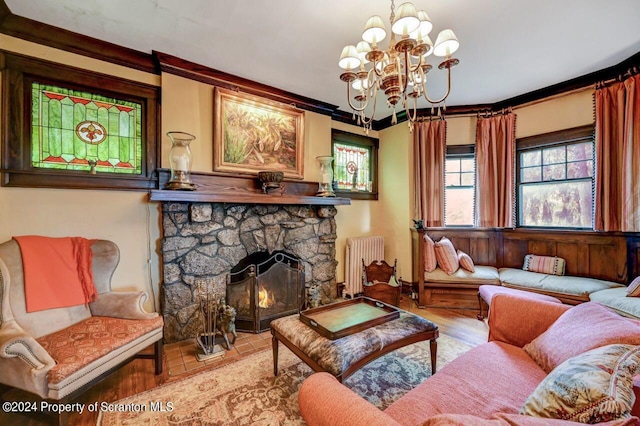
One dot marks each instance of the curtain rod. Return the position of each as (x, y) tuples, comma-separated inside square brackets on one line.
[(481, 112), (630, 72)]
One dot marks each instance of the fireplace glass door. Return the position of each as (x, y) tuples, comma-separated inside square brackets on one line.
[(263, 287)]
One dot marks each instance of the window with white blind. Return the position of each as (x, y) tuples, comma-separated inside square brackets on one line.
[(459, 192), (555, 179)]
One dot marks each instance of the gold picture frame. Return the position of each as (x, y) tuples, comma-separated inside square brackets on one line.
[(254, 134)]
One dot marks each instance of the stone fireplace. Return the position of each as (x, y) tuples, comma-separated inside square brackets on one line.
[(204, 241)]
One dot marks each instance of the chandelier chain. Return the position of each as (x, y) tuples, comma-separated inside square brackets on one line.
[(393, 14)]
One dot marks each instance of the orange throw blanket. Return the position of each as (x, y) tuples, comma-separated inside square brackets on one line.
[(57, 272)]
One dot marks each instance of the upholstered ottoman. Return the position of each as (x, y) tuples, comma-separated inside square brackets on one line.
[(342, 357), (486, 293)]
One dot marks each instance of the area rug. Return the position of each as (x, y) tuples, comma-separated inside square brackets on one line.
[(247, 393)]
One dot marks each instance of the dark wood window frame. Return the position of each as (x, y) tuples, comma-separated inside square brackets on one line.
[(18, 72), (547, 140), (370, 143), (459, 152)]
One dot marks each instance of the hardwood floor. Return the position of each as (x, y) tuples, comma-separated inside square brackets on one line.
[(138, 375)]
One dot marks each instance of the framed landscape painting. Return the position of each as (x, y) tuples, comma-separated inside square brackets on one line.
[(254, 134)]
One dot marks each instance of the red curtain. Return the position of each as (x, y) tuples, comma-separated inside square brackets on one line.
[(429, 147), (617, 198), (495, 165)]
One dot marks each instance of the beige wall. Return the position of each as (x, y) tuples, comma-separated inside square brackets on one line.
[(133, 223), (394, 212), (560, 113), (461, 130)]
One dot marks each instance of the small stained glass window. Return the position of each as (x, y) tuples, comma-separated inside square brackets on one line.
[(354, 165), (75, 130)]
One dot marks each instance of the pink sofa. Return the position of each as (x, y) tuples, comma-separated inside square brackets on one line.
[(486, 385)]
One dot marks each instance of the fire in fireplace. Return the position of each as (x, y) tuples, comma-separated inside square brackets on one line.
[(263, 287)]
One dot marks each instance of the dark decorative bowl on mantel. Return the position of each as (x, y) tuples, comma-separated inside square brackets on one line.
[(271, 180)]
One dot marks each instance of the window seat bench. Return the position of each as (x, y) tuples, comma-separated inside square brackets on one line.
[(616, 299), (569, 289), (595, 262)]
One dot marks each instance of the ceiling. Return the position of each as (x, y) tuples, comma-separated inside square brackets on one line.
[(507, 47)]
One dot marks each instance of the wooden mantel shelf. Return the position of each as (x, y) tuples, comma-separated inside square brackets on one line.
[(212, 197), (223, 188)]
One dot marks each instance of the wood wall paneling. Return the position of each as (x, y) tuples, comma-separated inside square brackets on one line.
[(513, 253), (633, 250), (573, 256)]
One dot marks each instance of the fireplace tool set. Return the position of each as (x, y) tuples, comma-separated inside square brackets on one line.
[(218, 319)]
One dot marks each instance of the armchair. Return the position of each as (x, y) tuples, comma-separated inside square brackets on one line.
[(59, 353), (379, 281)]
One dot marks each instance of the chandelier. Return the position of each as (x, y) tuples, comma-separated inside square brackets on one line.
[(401, 70)]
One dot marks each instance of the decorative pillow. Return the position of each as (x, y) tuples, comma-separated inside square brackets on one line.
[(634, 288), (593, 387), (465, 261), (581, 328), (430, 261), (446, 256), (544, 264)]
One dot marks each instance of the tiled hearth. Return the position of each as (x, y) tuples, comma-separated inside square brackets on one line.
[(181, 356)]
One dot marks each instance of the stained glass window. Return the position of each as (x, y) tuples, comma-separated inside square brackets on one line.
[(75, 130), (354, 165)]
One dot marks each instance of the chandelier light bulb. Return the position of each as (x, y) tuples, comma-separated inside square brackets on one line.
[(349, 59), (425, 23), (360, 84), (363, 48), (374, 31), (446, 43), (406, 21)]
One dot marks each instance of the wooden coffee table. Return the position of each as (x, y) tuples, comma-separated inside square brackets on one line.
[(366, 339)]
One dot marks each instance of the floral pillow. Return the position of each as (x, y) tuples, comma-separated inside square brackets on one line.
[(634, 288), (595, 386)]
